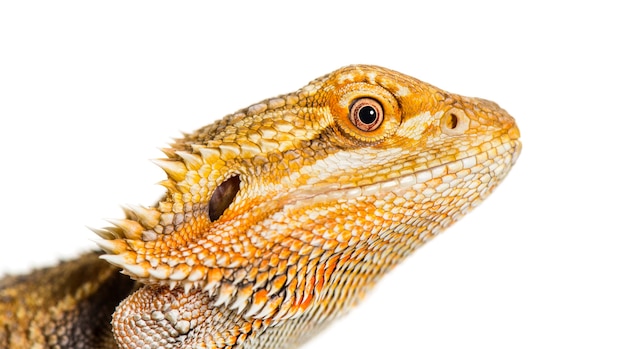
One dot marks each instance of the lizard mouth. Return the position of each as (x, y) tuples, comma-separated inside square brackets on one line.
[(495, 162)]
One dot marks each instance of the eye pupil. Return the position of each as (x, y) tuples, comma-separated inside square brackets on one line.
[(366, 114)]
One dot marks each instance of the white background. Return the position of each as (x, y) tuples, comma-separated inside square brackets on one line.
[(89, 92)]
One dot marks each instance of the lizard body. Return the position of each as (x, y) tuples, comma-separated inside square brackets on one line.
[(66, 306), (280, 217)]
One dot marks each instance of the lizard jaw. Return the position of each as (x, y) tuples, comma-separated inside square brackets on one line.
[(464, 169)]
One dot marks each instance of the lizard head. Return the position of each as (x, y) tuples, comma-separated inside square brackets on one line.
[(268, 206)]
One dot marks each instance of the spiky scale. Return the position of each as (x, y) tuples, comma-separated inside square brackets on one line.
[(176, 170), (148, 217), (132, 229), (106, 234), (110, 246), (192, 161)]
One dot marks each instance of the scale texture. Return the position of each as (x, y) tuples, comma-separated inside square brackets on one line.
[(276, 219)]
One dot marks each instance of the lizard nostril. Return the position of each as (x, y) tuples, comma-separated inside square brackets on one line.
[(454, 122), (223, 196)]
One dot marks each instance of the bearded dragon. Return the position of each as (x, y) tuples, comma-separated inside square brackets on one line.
[(276, 220)]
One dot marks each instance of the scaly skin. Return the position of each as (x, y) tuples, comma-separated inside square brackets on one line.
[(67, 306), (280, 217)]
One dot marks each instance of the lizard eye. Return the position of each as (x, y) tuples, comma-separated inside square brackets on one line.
[(222, 197), (366, 114)]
